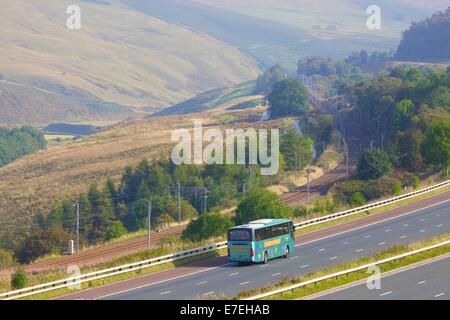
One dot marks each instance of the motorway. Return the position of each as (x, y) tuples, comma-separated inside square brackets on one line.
[(315, 250), (424, 281)]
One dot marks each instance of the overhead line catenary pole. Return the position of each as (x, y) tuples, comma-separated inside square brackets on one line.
[(307, 184), (77, 226), (347, 160), (250, 177), (179, 202), (206, 197), (149, 224)]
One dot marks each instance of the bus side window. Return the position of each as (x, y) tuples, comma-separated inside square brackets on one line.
[(268, 233), (258, 235)]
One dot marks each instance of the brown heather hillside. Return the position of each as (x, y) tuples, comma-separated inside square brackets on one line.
[(49, 73), (37, 181)]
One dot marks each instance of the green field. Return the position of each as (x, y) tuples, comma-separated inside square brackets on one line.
[(53, 137)]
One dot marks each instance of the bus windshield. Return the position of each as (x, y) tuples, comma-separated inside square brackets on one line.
[(240, 235)]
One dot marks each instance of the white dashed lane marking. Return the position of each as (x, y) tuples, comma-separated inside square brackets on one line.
[(244, 283), (233, 274), (385, 294), (164, 293)]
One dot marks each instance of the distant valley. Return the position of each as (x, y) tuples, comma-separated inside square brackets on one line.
[(135, 58)]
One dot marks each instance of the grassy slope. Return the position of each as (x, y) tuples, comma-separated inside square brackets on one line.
[(219, 98), (119, 56), (71, 167)]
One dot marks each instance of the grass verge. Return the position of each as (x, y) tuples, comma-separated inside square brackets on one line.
[(44, 276), (354, 276), (124, 276)]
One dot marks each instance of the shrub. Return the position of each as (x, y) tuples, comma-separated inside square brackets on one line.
[(19, 279), (344, 191), (374, 164), (358, 199), (324, 206), (397, 188), (208, 225), (261, 204), (379, 188), (289, 97), (116, 230), (300, 211), (188, 212), (416, 183), (6, 259)]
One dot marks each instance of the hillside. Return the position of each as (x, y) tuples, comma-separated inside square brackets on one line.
[(276, 31), (121, 58), (427, 40), (331, 28), (234, 97), (30, 182), (133, 57), (24, 103)]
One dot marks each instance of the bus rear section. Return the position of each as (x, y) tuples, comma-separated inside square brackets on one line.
[(261, 240), (240, 245)]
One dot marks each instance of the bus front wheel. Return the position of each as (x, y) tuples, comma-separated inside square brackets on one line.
[(266, 258), (286, 254)]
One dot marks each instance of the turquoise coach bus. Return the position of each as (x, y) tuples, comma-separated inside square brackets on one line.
[(261, 240)]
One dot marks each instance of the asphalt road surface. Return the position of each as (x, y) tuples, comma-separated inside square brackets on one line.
[(425, 281), (229, 279)]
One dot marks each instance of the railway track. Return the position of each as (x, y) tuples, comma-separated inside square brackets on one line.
[(109, 252), (321, 185), (104, 253), (116, 250)]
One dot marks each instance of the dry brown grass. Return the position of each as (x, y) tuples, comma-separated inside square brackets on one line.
[(119, 55), (38, 180)]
